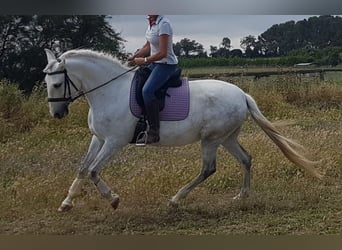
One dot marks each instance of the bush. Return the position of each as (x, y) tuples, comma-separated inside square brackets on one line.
[(326, 56), (11, 99), (19, 113)]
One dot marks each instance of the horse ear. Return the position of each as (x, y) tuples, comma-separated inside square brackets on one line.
[(50, 55)]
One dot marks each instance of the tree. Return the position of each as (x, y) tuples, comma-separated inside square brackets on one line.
[(213, 51), (189, 48), (251, 46), (23, 39), (247, 42), (226, 43), (223, 51), (316, 32)]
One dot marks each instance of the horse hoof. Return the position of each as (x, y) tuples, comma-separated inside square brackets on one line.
[(65, 208), (237, 197), (240, 196), (173, 204), (115, 202)]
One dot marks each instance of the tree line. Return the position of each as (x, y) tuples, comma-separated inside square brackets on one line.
[(23, 38), (307, 36)]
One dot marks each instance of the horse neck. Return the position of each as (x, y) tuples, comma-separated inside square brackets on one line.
[(95, 72)]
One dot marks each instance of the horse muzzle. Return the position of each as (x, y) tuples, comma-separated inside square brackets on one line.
[(61, 112)]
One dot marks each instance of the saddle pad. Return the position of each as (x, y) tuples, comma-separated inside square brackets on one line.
[(176, 103)]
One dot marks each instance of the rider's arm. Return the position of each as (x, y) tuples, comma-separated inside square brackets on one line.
[(143, 58), (163, 43)]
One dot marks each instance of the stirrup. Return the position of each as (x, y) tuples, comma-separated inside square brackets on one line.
[(141, 139)]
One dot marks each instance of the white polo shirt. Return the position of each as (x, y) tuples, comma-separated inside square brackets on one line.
[(161, 27)]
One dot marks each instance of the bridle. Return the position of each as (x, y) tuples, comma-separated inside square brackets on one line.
[(67, 88), (67, 97)]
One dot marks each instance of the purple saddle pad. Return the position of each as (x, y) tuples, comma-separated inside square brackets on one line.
[(176, 103)]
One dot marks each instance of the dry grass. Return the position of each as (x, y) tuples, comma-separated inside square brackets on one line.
[(38, 164)]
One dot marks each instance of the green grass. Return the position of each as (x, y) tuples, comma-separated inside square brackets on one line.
[(39, 158), (334, 76)]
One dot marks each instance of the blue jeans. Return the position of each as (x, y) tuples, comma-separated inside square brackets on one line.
[(158, 77)]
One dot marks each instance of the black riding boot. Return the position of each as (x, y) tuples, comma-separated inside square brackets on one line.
[(152, 114)]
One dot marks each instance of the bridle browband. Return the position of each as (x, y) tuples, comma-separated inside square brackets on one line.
[(68, 83)]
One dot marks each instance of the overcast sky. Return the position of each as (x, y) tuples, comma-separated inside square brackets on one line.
[(205, 29)]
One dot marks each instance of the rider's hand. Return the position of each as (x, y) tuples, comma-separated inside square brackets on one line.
[(131, 62), (139, 60)]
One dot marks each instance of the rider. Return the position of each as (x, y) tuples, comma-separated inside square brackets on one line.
[(158, 52)]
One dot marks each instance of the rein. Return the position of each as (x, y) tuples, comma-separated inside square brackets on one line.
[(68, 83)]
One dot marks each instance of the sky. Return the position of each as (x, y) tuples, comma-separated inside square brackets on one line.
[(204, 29)]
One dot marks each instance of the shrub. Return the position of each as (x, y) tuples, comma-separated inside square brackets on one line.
[(19, 113), (11, 99)]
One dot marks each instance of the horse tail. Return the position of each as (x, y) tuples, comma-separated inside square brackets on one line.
[(287, 146)]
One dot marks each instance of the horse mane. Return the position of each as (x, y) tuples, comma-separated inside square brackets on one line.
[(91, 54)]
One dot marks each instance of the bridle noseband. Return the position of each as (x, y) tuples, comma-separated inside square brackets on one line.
[(68, 83)]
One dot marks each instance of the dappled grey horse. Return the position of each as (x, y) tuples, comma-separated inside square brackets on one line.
[(217, 111)]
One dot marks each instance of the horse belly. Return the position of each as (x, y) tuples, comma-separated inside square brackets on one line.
[(178, 133)]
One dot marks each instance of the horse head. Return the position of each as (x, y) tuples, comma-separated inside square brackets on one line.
[(58, 88)]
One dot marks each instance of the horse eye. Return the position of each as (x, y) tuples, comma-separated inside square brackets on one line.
[(57, 85)]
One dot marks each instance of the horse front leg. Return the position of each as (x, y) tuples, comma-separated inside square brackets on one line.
[(105, 191), (76, 187), (108, 150), (74, 191)]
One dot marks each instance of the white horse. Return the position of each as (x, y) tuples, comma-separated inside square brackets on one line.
[(217, 111)]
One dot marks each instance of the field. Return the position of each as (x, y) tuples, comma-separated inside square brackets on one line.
[(39, 158)]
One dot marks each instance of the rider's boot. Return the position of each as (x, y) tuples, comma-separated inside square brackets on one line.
[(152, 134)]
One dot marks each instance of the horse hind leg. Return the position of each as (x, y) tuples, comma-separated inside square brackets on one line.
[(233, 147), (208, 168)]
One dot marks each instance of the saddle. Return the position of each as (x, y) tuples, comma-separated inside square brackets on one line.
[(167, 111), (140, 78)]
